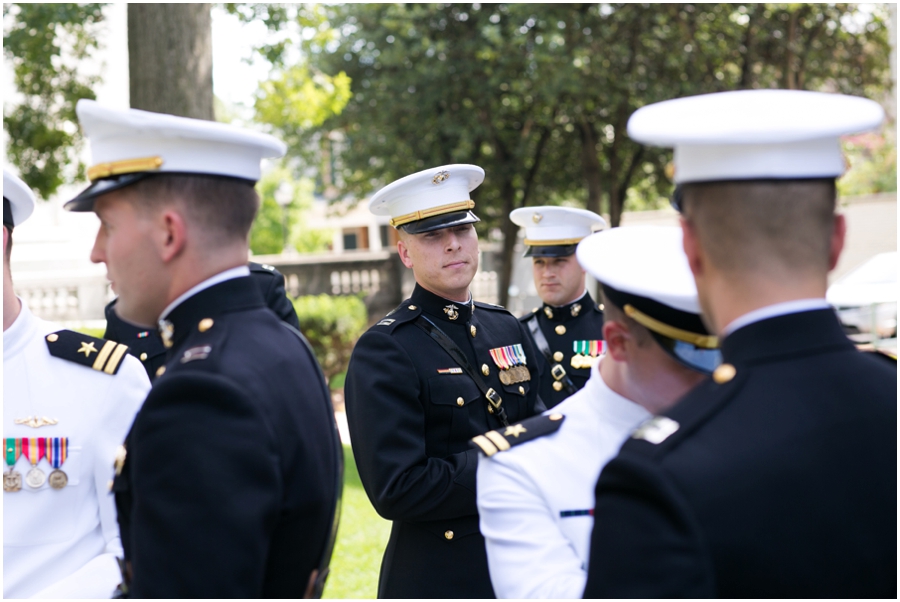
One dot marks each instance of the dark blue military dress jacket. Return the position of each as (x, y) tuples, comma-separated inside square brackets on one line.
[(569, 331), (228, 484), (146, 345), (780, 482), (411, 412)]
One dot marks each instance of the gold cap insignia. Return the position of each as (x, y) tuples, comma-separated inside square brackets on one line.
[(440, 177)]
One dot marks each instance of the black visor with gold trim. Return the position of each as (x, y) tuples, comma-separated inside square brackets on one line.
[(681, 334), (538, 249), (438, 222)]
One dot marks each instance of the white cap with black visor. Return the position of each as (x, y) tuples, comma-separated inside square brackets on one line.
[(555, 231), (128, 145), (431, 199), (754, 134), (18, 200), (644, 272)]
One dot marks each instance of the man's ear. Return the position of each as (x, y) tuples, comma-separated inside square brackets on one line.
[(691, 246), (403, 250), (172, 232), (617, 339), (838, 236)]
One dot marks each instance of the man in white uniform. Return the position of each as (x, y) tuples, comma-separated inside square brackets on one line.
[(536, 501), (68, 401)]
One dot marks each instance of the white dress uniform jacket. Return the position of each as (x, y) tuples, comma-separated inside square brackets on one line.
[(536, 500), (64, 543)]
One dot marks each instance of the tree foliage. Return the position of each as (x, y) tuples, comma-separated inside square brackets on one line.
[(274, 223), (46, 45), (331, 324), (540, 94)]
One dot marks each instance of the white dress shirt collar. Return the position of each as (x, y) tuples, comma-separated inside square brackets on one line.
[(237, 272), (771, 311)]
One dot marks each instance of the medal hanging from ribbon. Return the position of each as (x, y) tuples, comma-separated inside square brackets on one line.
[(33, 449), (587, 353), (56, 453), (12, 479), (512, 363)]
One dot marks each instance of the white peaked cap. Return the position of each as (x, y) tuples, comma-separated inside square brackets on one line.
[(550, 225), (755, 134), (647, 261), (183, 145), (21, 199), (428, 193)]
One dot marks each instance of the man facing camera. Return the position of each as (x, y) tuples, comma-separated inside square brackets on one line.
[(776, 478), (568, 328), (535, 492), (68, 401), (227, 483), (436, 371)]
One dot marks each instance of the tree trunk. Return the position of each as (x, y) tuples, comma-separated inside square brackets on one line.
[(747, 67), (510, 234), (170, 59), (790, 75), (590, 165)]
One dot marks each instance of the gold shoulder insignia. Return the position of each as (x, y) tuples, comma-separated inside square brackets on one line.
[(98, 354), (505, 438)]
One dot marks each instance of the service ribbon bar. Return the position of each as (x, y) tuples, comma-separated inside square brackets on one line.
[(499, 360), (13, 449), (57, 450), (33, 449)]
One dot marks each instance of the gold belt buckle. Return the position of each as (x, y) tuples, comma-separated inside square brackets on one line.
[(558, 372)]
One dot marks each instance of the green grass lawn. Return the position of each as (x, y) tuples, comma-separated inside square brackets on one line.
[(362, 537)]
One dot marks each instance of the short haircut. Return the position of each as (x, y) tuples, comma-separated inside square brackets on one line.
[(223, 208), (614, 313), (754, 225)]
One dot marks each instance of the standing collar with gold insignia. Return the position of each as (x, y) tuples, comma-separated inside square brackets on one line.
[(201, 312), (436, 306), (571, 311)]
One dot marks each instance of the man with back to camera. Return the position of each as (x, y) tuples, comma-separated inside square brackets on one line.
[(146, 344), (436, 371), (568, 329), (777, 477), (68, 401), (227, 483), (536, 500)]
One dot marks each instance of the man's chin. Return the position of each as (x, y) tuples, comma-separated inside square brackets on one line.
[(128, 314)]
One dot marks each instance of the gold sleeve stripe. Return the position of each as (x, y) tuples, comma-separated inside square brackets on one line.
[(699, 340), (115, 359), (498, 440), (417, 215), (115, 168), (104, 353), (486, 446)]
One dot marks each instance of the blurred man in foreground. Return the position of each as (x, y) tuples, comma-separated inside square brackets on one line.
[(536, 500), (777, 477), (227, 483), (68, 401)]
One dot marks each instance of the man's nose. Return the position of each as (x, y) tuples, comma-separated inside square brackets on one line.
[(97, 255)]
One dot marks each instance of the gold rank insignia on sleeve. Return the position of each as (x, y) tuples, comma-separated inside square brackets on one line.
[(98, 354), (503, 439)]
